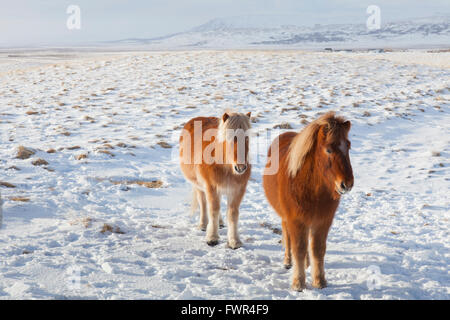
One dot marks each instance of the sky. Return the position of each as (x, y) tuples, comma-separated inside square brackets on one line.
[(44, 22)]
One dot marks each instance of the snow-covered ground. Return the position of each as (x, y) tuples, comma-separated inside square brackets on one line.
[(82, 227)]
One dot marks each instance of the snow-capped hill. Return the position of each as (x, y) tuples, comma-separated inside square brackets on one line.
[(292, 31), (250, 22)]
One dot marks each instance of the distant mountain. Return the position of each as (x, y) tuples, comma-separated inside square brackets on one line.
[(290, 32)]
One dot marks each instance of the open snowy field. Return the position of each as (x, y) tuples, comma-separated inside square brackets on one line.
[(98, 208)]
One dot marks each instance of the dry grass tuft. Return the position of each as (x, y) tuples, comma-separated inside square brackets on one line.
[(107, 146), (106, 152), (24, 153), (85, 222), (283, 125), (151, 184), (269, 226), (51, 150), (109, 228), (435, 154), (81, 156), (39, 162), (148, 184), (19, 199), (164, 145), (7, 184)]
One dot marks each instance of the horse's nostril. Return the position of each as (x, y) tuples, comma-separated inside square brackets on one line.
[(343, 186)]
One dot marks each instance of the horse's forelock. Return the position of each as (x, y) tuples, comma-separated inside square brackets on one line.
[(304, 141), (235, 121)]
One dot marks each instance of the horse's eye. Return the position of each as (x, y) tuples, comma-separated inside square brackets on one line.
[(329, 151)]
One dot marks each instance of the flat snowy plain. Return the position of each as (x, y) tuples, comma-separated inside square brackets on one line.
[(108, 216)]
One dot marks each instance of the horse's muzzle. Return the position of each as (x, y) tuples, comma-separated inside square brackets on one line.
[(343, 188)]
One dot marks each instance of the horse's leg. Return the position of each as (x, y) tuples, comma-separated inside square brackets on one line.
[(201, 199), (298, 235), (287, 246), (318, 248), (213, 204), (308, 254), (234, 201), (221, 223)]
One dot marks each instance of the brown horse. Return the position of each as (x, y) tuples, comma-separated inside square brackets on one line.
[(214, 159), (314, 171)]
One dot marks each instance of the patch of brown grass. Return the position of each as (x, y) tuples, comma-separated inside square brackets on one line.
[(106, 152), (157, 226), (148, 184), (85, 222), (109, 228), (269, 226), (283, 125), (435, 154), (81, 156), (24, 153), (152, 184), (39, 162), (7, 184), (164, 145), (19, 199)]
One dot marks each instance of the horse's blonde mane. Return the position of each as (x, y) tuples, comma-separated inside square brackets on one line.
[(235, 121), (304, 141)]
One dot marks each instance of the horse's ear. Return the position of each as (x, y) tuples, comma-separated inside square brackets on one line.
[(347, 125), (325, 128), (225, 117), (248, 114)]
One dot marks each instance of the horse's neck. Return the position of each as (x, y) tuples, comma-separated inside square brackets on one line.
[(311, 179)]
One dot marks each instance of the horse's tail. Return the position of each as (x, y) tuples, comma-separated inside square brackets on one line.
[(194, 203)]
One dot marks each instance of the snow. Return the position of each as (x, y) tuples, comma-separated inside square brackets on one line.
[(390, 237)]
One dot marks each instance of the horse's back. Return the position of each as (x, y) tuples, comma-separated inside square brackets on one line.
[(187, 142), (206, 122), (271, 181)]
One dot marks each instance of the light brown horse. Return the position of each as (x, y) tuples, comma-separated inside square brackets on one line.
[(214, 159), (314, 171)]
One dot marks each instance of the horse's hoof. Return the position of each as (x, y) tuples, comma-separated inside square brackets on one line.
[(212, 243), (234, 244), (287, 266), (221, 226), (298, 285), (201, 227), (319, 284)]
